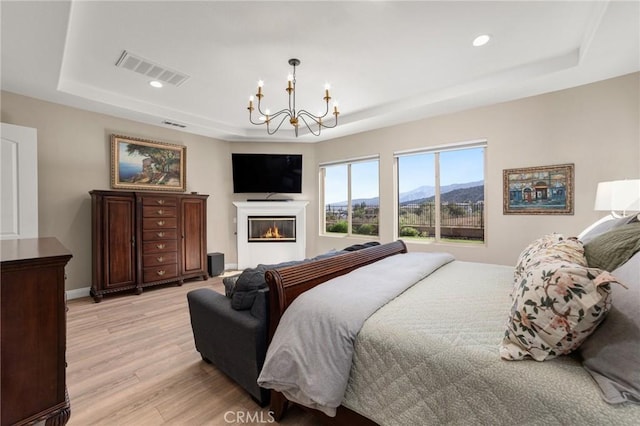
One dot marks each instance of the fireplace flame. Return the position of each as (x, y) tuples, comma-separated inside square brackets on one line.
[(273, 232)]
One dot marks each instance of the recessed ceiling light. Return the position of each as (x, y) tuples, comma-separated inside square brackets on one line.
[(481, 40), (155, 83)]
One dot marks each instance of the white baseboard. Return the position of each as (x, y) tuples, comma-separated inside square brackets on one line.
[(78, 293)]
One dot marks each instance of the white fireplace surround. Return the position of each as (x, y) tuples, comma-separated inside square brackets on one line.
[(250, 254)]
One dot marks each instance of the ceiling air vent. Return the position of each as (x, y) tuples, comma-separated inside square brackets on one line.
[(171, 123), (144, 66)]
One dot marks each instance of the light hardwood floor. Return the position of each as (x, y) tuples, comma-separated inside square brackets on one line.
[(132, 361)]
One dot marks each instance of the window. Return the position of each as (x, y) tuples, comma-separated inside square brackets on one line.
[(441, 194), (350, 197)]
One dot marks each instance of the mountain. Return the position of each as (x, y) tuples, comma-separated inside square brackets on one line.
[(462, 195), (425, 192)]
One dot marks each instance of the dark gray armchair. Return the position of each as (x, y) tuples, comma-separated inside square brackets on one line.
[(231, 330), (235, 341)]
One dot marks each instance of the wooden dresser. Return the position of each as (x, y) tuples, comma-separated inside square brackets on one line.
[(142, 239), (33, 327)]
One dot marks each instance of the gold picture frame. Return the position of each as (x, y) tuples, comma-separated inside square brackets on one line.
[(538, 190), (141, 164)]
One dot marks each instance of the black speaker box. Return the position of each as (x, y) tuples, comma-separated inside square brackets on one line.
[(215, 264)]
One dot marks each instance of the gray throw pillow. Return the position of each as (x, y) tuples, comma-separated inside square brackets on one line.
[(250, 281), (607, 226), (612, 353), (611, 249), (247, 285), (230, 285)]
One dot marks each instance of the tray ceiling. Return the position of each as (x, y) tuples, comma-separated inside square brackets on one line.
[(388, 62)]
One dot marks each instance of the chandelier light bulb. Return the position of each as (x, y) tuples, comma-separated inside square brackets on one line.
[(327, 86), (295, 116)]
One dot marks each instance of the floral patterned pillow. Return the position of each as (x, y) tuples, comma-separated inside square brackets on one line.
[(547, 249), (557, 305), (535, 247)]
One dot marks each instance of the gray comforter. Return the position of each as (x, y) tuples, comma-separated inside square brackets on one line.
[(310, 356), (431, 357)]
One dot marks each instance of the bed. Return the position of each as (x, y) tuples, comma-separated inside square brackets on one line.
[(429, 351)]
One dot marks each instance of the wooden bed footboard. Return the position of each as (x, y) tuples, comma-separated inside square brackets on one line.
[(285, 284)]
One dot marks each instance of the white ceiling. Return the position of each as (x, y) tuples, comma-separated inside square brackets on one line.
[(387, 61)]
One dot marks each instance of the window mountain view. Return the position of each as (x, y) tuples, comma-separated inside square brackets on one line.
[(461, 213), (455, 193)]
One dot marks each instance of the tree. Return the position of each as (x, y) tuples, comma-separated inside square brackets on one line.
[(340, 227), (455, 210), (162, 159), (359, 210)]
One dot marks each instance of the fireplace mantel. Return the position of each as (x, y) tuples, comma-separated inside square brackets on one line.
[(250, 254)]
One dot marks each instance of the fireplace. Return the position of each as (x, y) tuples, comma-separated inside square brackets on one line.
[(267, 229), (257, 245)]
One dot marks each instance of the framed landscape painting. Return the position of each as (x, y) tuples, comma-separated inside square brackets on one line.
[(147, 165), (538, 190)]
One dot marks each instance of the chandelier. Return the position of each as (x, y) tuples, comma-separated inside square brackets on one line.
[(313, 122)]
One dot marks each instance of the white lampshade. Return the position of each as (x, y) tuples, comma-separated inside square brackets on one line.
[(618, 195)]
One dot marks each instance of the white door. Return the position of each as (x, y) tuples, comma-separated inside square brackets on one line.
[(18, 182)]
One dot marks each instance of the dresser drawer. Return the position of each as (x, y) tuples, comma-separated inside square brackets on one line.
[(161, 272), (159, 200), (158, 211), (159, 223), (156, 259), (160, 234), (159, 246)]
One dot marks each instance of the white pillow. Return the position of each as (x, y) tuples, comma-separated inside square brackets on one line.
[(603, 225)]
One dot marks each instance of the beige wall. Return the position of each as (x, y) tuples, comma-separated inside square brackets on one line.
[(74, 158), (595, 127)]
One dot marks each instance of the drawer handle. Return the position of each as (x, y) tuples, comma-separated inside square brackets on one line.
[(161, 272), (160, 234), (161, 222), (160, 259), (161, 202), (160, 212), (161, 246)]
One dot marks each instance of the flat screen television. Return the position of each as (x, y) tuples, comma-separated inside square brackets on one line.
[(270, 173)]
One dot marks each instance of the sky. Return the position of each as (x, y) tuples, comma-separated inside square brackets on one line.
[(125, 157), (459, 166)]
